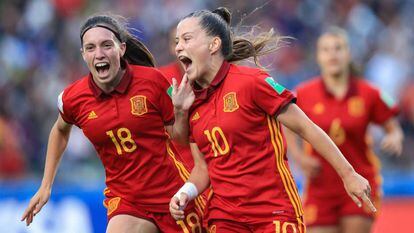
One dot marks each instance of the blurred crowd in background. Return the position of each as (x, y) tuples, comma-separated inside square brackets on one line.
[(40, 55)]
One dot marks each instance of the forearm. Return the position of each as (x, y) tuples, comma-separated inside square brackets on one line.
[(199, 177), (180, 128), (321, 142), (297, 121), (56, 145)]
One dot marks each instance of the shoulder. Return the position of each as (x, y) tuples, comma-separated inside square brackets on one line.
[(310, 85), (147, 73), (246, 75), (365, 86), (76, 89), (237, 70)]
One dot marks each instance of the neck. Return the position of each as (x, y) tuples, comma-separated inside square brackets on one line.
[(337, 85), (109, 87), (205, 80)]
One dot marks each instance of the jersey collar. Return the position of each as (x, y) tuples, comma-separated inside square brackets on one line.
[(352, 88), (121, 88), (221, 74)]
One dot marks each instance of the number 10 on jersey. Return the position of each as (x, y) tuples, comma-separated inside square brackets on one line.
[(215, 145)]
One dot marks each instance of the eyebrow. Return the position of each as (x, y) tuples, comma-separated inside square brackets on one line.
[(184, 34), (102, 42)]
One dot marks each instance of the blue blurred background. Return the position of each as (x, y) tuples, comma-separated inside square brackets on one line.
[(39, 56)]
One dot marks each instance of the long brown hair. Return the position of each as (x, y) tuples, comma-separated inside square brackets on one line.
[(236, 48), (136, 52)]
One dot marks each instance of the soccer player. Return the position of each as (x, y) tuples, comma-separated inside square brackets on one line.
[(236, 137), (343, 105), (172, 71), (123, 108)]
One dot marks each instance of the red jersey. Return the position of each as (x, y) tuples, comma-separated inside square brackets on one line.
[(345, 121), (233, 123), (170, 71), (127, 130)]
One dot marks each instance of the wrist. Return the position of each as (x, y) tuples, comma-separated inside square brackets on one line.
[(346, 172), (189, 189), (47, 186), (180, 110)]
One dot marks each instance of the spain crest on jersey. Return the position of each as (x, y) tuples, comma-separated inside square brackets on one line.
[(356, 106), (230, 102), (139, 105)]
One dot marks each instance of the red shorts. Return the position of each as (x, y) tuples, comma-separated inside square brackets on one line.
[(275, 226), (164, 221), (326, 208)]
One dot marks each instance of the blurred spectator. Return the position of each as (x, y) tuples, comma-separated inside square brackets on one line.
[(13, 164)]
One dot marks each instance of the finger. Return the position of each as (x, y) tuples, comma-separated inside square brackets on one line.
[(356, 200), (174, 82), (396, 149), (38, 207), (27, 211), (368, 191), (184, 81), (183, 200), (174, 85), (178, 217), (368, 202), (174, 204), (29, 219), (177, 212)]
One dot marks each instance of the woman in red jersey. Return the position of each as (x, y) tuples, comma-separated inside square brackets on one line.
[(236, 137), (343, 105), (124, 109)]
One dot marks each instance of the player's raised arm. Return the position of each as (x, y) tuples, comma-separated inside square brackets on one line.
[(356, 186)]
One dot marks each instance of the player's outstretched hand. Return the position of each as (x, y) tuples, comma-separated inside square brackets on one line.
[(182, 95), (358, 189), (177, 206), (35, 205), (392, 144)]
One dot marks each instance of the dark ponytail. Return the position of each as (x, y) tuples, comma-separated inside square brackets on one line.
[(240, 47), (136, 52)]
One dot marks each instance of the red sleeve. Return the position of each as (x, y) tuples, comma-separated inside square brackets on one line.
[(269, 95), (64, 107), (163, 96), (384, 107)]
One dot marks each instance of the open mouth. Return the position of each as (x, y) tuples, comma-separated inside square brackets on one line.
[(102, 67), (185, 61)]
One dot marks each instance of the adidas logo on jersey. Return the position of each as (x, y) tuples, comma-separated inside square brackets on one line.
[(196, 116), (92, 115)]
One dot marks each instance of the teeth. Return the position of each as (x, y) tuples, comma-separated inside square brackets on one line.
[(183, 58), (101, 64)]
